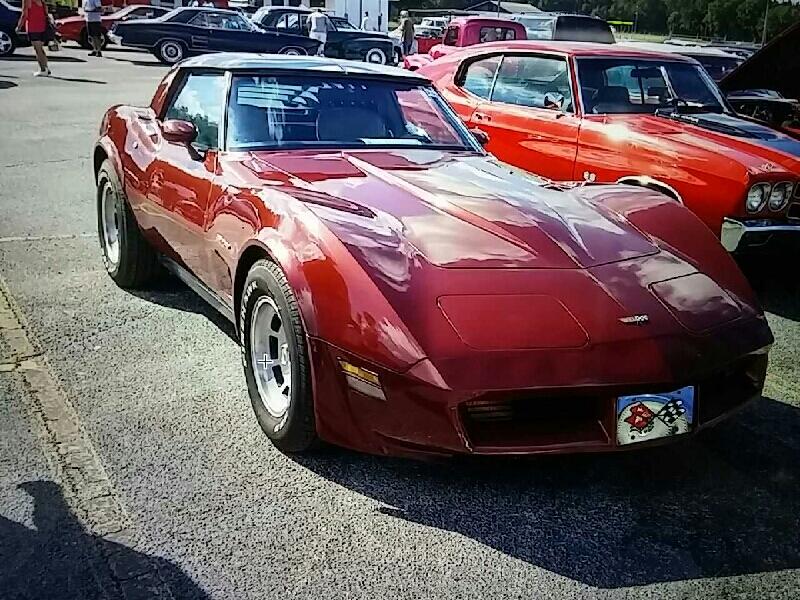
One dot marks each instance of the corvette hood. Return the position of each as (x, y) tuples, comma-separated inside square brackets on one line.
[(456, 210), (758, 147)]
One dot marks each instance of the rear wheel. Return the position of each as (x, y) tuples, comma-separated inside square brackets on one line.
[(170, 52), (275, 359), (128, 258), (375, 56), (293, 51), (7, 43)]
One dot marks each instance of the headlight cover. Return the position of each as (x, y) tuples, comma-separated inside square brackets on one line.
[(757, 197), (780, 194)]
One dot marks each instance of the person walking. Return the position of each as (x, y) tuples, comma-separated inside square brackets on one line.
[(93, 11), (318, 29), (35, 21), (365, 22), (407, 32)]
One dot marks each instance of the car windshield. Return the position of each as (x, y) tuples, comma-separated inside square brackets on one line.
[(303, 111), (625, 85), (537, 29), (342, 24)]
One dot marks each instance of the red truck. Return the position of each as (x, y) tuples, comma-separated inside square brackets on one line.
[(468, 31)]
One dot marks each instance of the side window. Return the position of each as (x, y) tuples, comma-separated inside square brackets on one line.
[(226, 21), (496, 34), (479, 76), (199, 20), (451, 37), (200, 102), (289, 22), (528, 80)]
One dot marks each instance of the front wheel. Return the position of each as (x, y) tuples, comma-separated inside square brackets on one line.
[(275, 359), (128, 258), (293, 51), (170, 52), (375, 56), (7, 43)]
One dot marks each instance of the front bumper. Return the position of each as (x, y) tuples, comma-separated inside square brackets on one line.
[(114, 39), (735, 234)]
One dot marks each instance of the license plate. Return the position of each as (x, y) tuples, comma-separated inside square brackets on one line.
[(644, 417)]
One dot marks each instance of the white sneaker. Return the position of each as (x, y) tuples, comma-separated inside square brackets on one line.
[(42, 73)]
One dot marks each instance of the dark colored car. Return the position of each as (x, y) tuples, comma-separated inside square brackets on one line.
[(767, 85), (74, 28), (192, 31), (10, 40), (397, 290), (572, 28), (342, 42)]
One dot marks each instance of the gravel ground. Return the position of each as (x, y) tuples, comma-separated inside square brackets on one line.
[(156, 383)]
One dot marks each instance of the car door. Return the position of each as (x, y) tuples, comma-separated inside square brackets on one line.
[(530, 116), (198, 33), (181, 176), (230, 32)]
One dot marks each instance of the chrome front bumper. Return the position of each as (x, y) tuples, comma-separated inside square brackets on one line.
[(735, 232)]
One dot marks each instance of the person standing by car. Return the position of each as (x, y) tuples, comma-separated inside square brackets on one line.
[(318, 29), (92, 9), (365, 22), (407, 32), (35, 21)]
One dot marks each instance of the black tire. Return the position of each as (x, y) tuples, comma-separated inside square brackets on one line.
[(8, 42), (171, 52), (293, 51), (137, 263), (376, 56), (294, 430)]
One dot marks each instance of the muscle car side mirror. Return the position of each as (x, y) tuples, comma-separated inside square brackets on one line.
[(554, 100), (480, 135), (179, 132)]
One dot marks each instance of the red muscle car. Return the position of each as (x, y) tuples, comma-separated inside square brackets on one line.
[(74, 28), (397, 290), (599, 112)]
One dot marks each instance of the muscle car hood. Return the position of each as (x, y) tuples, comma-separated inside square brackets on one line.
[(456, 210), (757, 147)]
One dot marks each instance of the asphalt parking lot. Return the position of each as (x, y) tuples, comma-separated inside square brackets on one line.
[(131, 465)]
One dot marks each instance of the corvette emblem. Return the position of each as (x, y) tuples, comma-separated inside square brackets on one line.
[(635, 320)]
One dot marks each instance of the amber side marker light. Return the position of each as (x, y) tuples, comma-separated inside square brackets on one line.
[(361, 380)]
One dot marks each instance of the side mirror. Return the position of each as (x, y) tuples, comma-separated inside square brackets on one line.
[(554, 100), (179, 132), (480, 135)]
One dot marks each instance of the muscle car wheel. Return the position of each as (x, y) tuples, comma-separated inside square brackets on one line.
[(375, 56), (293, 51), (127, 256), (171, 52), (275, 359), (7, 44)]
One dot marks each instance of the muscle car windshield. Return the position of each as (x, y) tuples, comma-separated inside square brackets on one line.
[(300, 111), (624, 85)]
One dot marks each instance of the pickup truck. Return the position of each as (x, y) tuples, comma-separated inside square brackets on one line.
[(468, 31)]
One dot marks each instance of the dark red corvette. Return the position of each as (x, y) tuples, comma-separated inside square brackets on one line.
[(396, 290)]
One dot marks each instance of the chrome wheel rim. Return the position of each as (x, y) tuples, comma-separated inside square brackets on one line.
[(271, 357), (292, 52), (110, 219), (376, 57), (171, 52), (5, 42)]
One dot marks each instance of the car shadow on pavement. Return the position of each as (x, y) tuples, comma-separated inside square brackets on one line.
[(78, 80), (60, 559), (50, 58), (170, 292), (724, 504), (139, 63), (775, 283), (4, 85)]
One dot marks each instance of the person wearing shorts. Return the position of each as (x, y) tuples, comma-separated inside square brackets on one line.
[(93, 11), (34, 20)]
